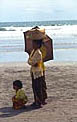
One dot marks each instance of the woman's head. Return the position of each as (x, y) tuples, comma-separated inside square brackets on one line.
[(37, 43), (17, 84)]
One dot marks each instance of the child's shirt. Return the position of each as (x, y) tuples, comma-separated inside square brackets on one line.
[(20, 95)]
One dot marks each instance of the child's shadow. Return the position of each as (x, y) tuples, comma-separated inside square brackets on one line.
[(10, 112)]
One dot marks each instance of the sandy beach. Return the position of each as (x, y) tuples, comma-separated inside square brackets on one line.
[(61, 79)]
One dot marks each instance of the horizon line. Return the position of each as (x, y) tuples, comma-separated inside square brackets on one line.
[(39, 21)]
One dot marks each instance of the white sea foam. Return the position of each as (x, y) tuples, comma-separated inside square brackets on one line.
[(62, 30), (64, 37), (59, 31)]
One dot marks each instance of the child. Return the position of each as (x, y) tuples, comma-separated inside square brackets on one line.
[(20, 99)]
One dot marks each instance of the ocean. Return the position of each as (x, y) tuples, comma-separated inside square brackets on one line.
[(63, 33)]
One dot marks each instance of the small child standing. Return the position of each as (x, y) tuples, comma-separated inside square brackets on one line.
[(20, 99)]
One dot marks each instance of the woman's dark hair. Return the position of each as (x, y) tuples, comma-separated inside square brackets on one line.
[(18, 83), (38, 42)]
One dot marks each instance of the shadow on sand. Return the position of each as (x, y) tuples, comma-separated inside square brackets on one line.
[(10, 112)]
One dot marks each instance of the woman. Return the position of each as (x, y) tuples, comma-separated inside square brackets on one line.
[(37, 74)]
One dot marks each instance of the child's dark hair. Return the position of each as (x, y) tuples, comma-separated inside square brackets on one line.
[(18, 83)]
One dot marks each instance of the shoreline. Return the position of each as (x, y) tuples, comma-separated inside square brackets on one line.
[(47, 64)]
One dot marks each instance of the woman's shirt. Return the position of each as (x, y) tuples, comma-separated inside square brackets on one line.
[(36, 62)]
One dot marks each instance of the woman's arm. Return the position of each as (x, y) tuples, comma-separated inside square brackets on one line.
[(35, 59)]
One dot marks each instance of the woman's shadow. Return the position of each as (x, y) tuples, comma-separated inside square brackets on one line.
[(6, 112)]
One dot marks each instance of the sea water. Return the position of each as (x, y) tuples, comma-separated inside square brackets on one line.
[(63, 33)]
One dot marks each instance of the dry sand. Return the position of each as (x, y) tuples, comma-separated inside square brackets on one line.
[(61, 81)]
